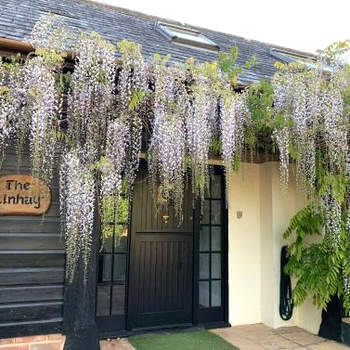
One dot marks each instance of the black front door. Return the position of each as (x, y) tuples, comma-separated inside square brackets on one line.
[(154, 272), (161, 254)]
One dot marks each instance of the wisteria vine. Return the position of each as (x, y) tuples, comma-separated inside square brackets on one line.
[(116, 108), (312, 129)]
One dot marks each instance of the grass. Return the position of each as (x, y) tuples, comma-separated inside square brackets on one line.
[(196, 340)]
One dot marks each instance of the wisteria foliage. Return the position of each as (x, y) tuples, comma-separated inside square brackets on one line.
[(312, 129), (181, 108)]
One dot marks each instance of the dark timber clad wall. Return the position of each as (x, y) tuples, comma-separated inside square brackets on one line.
[(31, 265)]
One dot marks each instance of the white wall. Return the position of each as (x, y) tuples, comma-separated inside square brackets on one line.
[(255, 243), (244, 247)]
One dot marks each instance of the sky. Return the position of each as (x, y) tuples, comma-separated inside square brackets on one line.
[(305, 25)]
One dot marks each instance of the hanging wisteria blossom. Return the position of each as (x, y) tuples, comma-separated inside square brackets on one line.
[(50, 32), (77, 203), (115, 153), (332, 210), (11, 98), (40, 115), (234, 118), (310, 103), (201, 119), (167, 148), (91, 96), (132, 86), (29, 105), (112, 168), (312, 122)]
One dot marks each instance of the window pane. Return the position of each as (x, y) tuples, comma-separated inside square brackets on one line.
[(216, 190), (123, 210), (206, 212), (204, 238), (119, 267), (216, 212), (216, 293), (103, 296), (190, 37), (105, 267), (215, 238), (203, 266), (118, 299), (203, 294), (216, 265), (107, 238), (121, 238)]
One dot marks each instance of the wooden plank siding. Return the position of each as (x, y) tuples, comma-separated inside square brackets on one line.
[(32, 258)]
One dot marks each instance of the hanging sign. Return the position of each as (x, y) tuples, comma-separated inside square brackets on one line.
[(23, 195)]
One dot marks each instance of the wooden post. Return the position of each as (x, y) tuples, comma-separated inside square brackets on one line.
[(80, 303)]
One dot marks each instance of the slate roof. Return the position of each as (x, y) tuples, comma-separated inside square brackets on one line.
[(17, 18)]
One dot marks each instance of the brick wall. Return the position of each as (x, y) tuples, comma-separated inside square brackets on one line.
[(38, 342)]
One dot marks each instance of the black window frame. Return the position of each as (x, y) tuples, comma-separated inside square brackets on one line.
[(212, 316), (114, 322)]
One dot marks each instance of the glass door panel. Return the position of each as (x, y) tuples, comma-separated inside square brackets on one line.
[(212, 279), (112, 270)]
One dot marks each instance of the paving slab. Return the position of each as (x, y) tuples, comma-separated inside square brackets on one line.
[(261, 337), (116, 344)]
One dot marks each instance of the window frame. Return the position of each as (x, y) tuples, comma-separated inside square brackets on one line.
[(289, 57), (170, 32)]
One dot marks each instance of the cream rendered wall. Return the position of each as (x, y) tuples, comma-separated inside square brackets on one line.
[(308, 317), (268, 255), (255, 242), (244, 247)]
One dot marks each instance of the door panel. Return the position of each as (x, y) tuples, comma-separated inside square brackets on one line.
[(160, 278)]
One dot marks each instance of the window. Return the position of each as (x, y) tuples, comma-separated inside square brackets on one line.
[(186, 36), (288, 57), (113, 257), (211, 237)]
